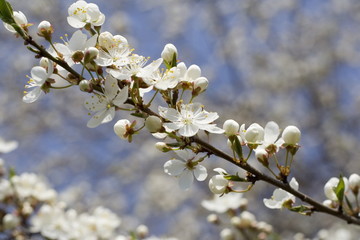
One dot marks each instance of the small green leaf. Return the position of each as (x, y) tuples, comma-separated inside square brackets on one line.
[(6, 12), (235, 178), (140, 115), (12, 173), (173, 61), (304, 210), (339, 190), (236, 146)]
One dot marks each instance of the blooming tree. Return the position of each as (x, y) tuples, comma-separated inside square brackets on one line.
[(118, 80)]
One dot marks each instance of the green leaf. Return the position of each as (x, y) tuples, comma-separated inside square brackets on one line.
[(6, 12), (304, 210), (12, 173), (235, 178), (236, 146), (339, 190)]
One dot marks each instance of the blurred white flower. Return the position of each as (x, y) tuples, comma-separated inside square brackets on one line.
[(224, 203), (280, 197), (186, 168), (7, 146), (218, 184)]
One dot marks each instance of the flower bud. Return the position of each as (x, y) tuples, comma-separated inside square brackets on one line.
[(162, 147), (45, 30), (227, 234), (168, 53), (90, 54), (254, 134), (291, 135), (85, 86), (262, 156), (331, 184), (201, 84), (328, 203), (121, 128), (231, 127), (142, 231), (354, 183), (247, 218), (235, 221), (213, 218), (218, 184), (153, 124), (10, 221)]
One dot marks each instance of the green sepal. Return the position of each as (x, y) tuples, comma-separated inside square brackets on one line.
[(173, 61), (304, 210), (236, 145), (340, 189), (235, 178)]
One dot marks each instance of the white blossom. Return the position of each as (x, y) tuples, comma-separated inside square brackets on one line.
[(39, 76), (120, 128), (189, 119), (20, 20), (168, 53), (104, 105), (81, 13), (253, 135), (354, 182), (224, 203), (186, 168), (218, 184), (331, 184), (231, 127), (153, 124), (281, 197), (7, 146)]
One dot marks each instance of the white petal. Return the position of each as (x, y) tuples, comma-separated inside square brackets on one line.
[(95, 103), (220, 170), (33, 95), (185, 154), (174, 167), (121, 97), (192, 73), (77, 41), (91, 42), (39, 74), (212, 128), (186, 179), (169, 113), (111, 87), (294, 184), (188, 130), (170, 127), (101, 117), (200, 173), (75, 22), (272, 204), (272, 132)]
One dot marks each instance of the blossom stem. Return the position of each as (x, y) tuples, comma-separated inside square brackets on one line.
[(272, 172), (248, 156), (287, 157), (316, 206), (148, 105), (61, 87)]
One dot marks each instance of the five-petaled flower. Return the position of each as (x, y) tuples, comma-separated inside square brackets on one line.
[(189, 119), (186, 168)]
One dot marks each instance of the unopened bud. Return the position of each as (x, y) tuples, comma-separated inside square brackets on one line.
[(201, 84), (168, 53), (162, 147), (291, 135), (153, 124), (44, 62), (227, 234), (235, 221), (85, 86), (45, 30), (262, 156), (213, 218), (231, 127), (90, 54), (121, 128), (142, 231), (354, 183), (10, 221)]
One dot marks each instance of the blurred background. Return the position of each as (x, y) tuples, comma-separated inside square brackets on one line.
[(292, 61)]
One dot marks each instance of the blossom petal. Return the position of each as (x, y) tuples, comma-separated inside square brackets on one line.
[(212, 128), (185, 154), (270, 203), (111, 87), (200, 173), (272, 132), (75, 22), (101, 117), (77, 41), (188, 130), (169, 113), (174, 167), (95, 103), (121, 97), (186, 179), (33, 95), (170, 127), (294, 184), (39, 74)]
